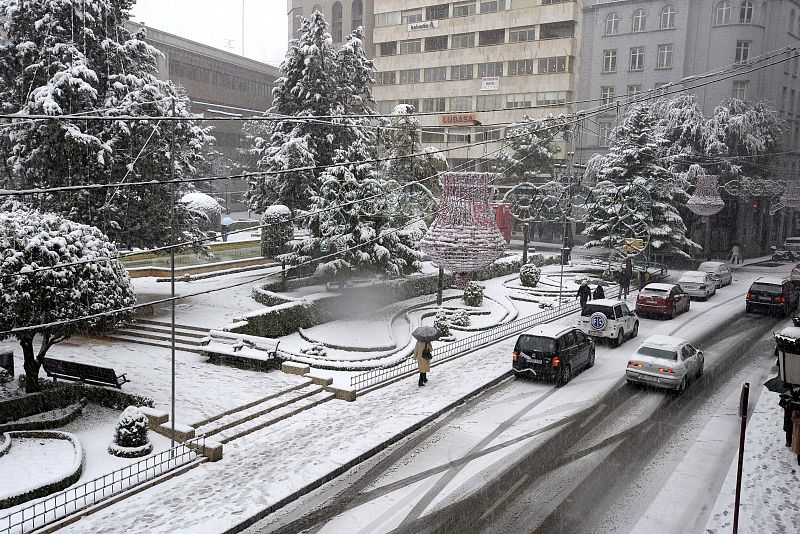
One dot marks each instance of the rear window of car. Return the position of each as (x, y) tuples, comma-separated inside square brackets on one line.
[(591, 308), (766, 288), (536, 344), (653, 292), (693, 278), (709, 267), (664, 354)]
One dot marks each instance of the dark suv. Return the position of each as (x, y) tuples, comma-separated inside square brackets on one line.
[(771, 295), (554, 352)]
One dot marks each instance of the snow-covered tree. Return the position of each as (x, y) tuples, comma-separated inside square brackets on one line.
[(354, 71), (204, 206), (130, 435), (60, 57), (49, 272), (531, 150)]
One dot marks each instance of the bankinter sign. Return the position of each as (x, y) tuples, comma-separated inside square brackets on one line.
[(459, 119)]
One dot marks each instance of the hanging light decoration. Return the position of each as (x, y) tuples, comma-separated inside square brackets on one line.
[(791, 195), (464, 236), (705, 201)]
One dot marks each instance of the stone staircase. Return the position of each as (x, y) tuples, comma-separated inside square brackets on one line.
[(257, 415), (159, 334)]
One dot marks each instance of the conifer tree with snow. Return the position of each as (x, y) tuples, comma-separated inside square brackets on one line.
[(632, 166), (130, 435), (53, 270), (531, 150), (60, 57)]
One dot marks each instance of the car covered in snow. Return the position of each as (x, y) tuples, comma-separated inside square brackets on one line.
[(666, 362), (609, 318), (719, 272), (697, 284), (772, 295), (662, 299), (552, 352)]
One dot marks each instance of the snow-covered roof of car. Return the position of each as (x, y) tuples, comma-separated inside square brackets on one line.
[(548, 330), (605, 302), (769, 280), (693, 274), (711, 264), (657, 285), (790, 331), (661, 341)]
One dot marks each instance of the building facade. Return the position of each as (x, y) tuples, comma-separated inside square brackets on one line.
[(473, 67), (343, 16)]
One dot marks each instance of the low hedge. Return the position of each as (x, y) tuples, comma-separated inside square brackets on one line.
[(47, 424)]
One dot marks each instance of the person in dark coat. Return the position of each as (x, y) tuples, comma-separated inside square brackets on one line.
[(786, 404), (423, 363), (584, 294), (599, 293)]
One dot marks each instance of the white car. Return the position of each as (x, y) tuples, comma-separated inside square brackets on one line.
[(666, 362), (698, 284), (719, 272), (609, 318)]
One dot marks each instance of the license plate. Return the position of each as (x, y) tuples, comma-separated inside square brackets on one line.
[(650, 378), (595, 332), (765, 299), (534, 360)]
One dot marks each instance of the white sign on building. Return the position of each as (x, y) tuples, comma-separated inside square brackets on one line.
[(490, 83), (426, 25)]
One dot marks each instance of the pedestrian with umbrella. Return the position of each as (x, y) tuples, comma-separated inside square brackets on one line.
[(423, 350), (226, 224)]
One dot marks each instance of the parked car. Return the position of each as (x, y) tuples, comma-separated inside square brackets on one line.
[(719, 272), (698, 284), (792, 243), (666, 362), (608, 318), (662, 299), (771, 295), (794, 276), (554, 352)]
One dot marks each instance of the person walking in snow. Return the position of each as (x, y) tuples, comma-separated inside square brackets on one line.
[(584, 294), (599, 293), (736, 254), (423, 352)]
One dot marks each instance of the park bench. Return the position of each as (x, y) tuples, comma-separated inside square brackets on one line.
[(81, 372)]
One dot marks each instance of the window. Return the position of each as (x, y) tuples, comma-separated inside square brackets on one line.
[(520, 67), (412, 46), (488, 134), (490, 69), (723, 13), (438, 12), (491, 37), (607, 95), (612, 24), (387, 19), (742, 51), (783, 101), (459, 135), (519, 100), (461, 103), (557, 30), (413, 102), (520, 35), (386, 78), (493, 6), (357, 14), (554, 65), (609, 61), (435, 74), (634, 90), (409, 76), (336, 22), (488, 102), (667, 18), (637, 58), (317, 7), (639, 21), (746, 12), (385, 107), (463, 40), (436, 43), (791, 103), (388, 49), (433, 104), (432, 134), (461, 72), (412, 16), (464, 9), (791, 22), (604, 130), (664, 56), (740, 90), (552, 98)]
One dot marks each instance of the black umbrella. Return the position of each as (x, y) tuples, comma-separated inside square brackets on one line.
[(776, 385), (426, 333)]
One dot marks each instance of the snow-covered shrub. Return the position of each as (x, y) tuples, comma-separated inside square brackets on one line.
[(130, 435), (276, 230), (473, 294), (5, 378), (206, 207), (317, 350), (536, 259), (529, 275), (459, 318), (441, 324)]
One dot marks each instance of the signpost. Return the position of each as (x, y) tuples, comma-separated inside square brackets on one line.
[(744, 399)]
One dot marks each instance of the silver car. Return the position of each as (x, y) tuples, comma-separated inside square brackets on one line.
[(666, 362), (698, 284), (719, 272)]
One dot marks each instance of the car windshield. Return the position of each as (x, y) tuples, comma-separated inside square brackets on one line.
[(766, 288), (536, 344), (654, 292), (591, 308), (664, 354)]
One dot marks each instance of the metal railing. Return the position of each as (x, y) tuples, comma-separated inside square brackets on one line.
[(458, 348), (74, 499)]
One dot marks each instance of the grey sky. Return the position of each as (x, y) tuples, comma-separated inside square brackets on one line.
[(212, 22)]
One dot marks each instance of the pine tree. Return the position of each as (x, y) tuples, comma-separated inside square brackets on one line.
[(531, 150), (61, 57)]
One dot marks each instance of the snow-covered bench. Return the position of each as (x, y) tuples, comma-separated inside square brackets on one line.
[(81, 372), (240, 349)]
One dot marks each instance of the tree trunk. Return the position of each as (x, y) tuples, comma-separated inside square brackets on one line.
[(31, 366)]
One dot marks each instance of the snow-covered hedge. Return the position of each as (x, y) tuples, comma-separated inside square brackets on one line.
[(277, 230), (473, 294), (441, 324), (529, 275), (460, 318), (130, 435)]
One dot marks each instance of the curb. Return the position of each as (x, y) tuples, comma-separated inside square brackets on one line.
[(308, 488)]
